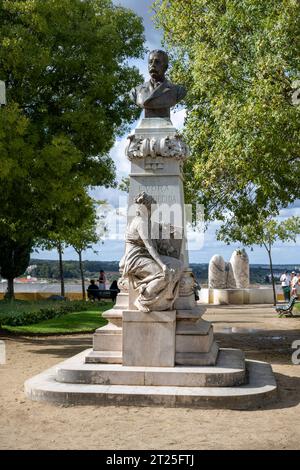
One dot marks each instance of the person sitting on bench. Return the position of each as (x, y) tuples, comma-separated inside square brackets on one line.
[(93, 291), (114, 290)]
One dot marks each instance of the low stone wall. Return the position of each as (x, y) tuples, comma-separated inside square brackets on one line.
[(254, 295), (43, 295)]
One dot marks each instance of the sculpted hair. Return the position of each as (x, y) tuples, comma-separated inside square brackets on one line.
[(145, 199)]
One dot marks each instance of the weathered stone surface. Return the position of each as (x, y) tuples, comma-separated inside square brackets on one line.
[(229, 371), (216, 273), (198, 358), (240, 265), (260, 390), (149, 338), (108, 338), (229, 277)]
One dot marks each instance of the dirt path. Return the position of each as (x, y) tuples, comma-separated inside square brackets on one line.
[(29, 425)]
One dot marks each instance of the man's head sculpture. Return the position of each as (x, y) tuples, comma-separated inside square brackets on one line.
[(158, 63)]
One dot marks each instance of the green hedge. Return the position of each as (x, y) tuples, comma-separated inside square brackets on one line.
[(20, 318)]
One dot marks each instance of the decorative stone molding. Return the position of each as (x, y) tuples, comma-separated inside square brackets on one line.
[(168, 147)]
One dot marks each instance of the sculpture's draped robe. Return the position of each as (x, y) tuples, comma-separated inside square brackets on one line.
[(156, 290)]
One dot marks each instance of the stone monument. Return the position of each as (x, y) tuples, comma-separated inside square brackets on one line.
[(156, 347), (155, 274), (229, 283), (240, 266)]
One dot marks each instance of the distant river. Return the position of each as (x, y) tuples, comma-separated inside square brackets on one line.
[(41, 287)]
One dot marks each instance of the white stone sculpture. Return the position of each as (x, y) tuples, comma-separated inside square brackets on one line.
[(216, 273), (232, 275), (240, 265), (153, 274)]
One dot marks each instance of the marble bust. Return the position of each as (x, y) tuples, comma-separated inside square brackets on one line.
[(157, 95)]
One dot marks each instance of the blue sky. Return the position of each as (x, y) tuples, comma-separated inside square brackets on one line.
[(113, 249)]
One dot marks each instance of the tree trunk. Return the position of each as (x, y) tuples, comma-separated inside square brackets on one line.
[(272, 277), (61, 271), (81, 274), (10, 294)]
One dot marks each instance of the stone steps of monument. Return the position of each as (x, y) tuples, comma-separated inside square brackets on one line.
[(194, 313), (104, 357), (198, 358), (260, 390), (228, 371), (202, 328)]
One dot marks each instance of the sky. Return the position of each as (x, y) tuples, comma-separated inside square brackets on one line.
[(201, 246)]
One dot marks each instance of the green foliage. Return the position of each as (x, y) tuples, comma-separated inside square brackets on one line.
[(68, 82), (238, 60), (77, 322), (30, 314), (65, 63), (263, 232)]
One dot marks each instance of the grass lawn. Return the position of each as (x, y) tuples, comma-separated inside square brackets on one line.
[(76, 322)]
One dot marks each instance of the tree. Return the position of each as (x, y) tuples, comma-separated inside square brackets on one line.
[(14, 259), (84, 236), (238, 60), (68, 82), (264, 232)]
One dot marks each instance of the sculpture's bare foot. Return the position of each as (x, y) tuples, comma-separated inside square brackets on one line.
[(141, 308)]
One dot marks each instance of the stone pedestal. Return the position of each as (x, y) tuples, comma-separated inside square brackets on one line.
[(152, 339), (149, 338)]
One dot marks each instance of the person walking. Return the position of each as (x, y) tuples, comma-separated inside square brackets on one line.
[(285, 280), (102, 280)]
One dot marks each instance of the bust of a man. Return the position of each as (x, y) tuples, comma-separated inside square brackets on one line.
[(157, 95)]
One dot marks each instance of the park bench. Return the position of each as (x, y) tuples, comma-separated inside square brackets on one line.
[(103, 294), (286, 310)]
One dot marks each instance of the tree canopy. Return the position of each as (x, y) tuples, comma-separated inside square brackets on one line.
[(65, 65), (238, 60)]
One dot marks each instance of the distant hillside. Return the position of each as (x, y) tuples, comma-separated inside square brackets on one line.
[(48, 269)]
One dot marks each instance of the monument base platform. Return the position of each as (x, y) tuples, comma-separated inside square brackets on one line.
[(233, 383), (253, 295)]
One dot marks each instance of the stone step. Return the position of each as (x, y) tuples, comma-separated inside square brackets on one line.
[(198, 358), (260, 390), (104, 357), (190, 314), (229, 371), (201, 328), (194, 343), (108, 338)]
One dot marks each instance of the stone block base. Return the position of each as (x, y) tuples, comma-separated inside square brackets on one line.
[(149, 338), (228, 371)]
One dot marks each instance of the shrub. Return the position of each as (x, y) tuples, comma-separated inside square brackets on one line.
[(29, 317)]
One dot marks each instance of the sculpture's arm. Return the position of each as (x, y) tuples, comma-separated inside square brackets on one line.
[(149, 245)]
